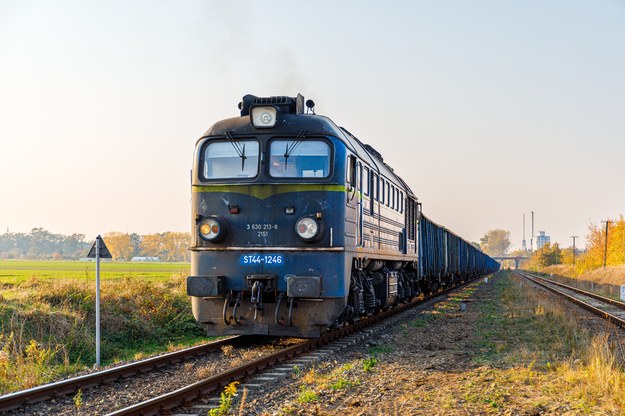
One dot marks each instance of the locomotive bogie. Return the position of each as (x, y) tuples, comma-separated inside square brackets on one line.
[(307, 318)]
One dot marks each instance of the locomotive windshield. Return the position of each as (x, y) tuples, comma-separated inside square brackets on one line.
[(299, 159), (231, 159)]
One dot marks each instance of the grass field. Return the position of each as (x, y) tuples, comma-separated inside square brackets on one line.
[(19, 271), (47, 316)]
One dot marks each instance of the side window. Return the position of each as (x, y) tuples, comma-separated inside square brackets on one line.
[(376, 187), (401, 201), (365, 182), (387, 193), (392, 197), (351, 170), (396, 199)]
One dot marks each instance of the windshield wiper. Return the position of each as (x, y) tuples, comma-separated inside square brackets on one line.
[(289, 149), (240, 150), (243, 157)]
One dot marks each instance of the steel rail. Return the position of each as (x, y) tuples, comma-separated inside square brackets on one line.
[(192, 392), (614, 302), (591, 308), (60, 388)]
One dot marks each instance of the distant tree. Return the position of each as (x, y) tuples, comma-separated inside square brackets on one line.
[(168, 246), (566, 255), (119, 244), (74, 245), (495, 242), (152, 245), (549, 255), (175, 245), (595, 244), (136, 243)]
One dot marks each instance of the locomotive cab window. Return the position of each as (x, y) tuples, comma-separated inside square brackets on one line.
[(299, 159), (231, 159)]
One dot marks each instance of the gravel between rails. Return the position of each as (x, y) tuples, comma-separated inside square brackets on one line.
[(410, 360), (127, 391)]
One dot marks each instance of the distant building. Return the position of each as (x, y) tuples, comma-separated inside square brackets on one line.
[(542, 240), (145, 259)]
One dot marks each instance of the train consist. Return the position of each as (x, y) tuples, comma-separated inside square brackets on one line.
[(299, 226)]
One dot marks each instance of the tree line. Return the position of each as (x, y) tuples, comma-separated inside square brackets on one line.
[(598, 252), (167, 246), (42, 244)]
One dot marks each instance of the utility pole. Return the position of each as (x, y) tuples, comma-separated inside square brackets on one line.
[(524, 245), (574, 237), (532, 236), (605, 248)]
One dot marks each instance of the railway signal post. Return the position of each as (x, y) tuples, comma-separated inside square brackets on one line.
[(98, 251)]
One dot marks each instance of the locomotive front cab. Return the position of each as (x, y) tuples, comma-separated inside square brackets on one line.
[(268, 202)]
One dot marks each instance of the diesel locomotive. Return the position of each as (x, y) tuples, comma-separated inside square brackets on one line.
[(298, 226)]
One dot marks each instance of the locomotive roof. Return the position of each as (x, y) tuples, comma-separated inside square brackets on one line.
[(293, 124)]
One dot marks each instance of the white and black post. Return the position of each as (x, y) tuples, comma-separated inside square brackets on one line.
[(97, 300), (98, 251)]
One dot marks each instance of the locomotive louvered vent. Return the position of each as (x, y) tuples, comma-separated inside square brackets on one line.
[(274, 100), (374, 152), (289, 105)]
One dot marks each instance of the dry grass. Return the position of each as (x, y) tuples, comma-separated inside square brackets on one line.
[(578, 367), (48, 325), (613, 275)]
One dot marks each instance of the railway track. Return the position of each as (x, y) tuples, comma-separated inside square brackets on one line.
[(213, 385), (331, 341), (70, 386), (610, 309)]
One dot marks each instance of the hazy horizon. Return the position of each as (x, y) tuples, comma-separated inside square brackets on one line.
[(102, 103)]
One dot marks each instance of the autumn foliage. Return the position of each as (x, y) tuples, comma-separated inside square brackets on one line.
[(595, 243), (583, 263), (167, 246)]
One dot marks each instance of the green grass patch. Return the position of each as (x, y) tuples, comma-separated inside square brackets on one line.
[(307, 395), (422, 320), (340, 384), (368, 364), (14, 272), (381, 349)]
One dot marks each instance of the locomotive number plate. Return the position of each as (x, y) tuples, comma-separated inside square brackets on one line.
[(266, 259)]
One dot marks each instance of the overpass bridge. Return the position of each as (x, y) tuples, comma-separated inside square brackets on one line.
[(517, 259)]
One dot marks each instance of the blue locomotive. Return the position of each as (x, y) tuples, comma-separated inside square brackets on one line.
[(299, 226)]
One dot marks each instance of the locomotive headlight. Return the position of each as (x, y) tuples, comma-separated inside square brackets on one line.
[(213, 229), (263, 117), (309, 229)]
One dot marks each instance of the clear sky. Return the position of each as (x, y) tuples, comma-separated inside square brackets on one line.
[(488, 109)]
